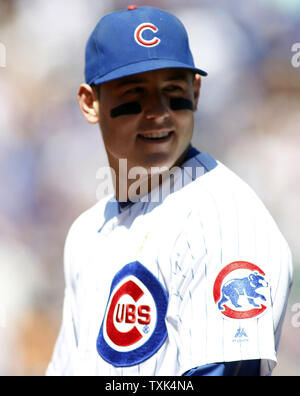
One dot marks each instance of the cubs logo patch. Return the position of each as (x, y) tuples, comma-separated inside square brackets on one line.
[(241, 291), (139, 35), (133, 328)]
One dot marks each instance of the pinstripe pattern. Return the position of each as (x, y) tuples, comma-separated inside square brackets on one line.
[(185, 241)]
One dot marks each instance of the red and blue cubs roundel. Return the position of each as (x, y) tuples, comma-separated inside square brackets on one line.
[(133, 328), (241, 291)]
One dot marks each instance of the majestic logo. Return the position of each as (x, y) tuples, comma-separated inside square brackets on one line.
[(240, 336), (133, 328), (235, 291), (139, 35)]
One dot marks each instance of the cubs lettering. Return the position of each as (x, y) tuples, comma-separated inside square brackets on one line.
[(130, 314)]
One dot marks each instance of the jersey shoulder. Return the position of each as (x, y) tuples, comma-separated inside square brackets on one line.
[(240, 195), (219, 202), (223, 188)]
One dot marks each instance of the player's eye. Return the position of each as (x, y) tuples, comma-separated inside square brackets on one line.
[(134, 90), (173, 88)]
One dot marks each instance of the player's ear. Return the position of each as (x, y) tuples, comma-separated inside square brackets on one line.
[(89, 103), (197, 87)]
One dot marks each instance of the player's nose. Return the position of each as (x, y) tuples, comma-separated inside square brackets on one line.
[(156, 107)]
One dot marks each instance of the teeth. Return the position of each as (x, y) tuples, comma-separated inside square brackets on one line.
[(156, 135)]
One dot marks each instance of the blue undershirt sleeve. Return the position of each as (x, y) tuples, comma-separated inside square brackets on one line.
[(244, 368)]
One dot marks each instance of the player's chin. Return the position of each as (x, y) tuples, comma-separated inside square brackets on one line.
[(156, 159)]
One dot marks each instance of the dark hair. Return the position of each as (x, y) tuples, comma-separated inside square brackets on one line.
[(96, 89)]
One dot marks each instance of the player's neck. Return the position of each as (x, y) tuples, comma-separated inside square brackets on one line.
[(131, 184), (128, 189)]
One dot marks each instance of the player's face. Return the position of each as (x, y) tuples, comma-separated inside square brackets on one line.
[(148, 118)]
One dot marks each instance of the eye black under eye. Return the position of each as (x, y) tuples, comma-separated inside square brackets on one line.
[(181, 104)]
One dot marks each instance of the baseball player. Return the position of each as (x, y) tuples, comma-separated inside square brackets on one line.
[(182, 271)]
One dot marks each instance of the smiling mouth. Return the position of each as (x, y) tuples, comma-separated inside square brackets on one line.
[(156, 136)]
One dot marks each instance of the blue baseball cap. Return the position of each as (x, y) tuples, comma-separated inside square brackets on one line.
[(137, 40)]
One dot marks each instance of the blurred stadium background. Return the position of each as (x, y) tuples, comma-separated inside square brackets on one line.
[(248, 118)]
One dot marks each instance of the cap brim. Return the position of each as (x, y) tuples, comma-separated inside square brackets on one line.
[(143, 67)]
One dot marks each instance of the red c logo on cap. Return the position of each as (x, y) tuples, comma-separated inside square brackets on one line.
[(138, 35)]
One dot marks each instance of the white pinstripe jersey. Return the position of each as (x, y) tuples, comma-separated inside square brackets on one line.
[(202, 276)]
